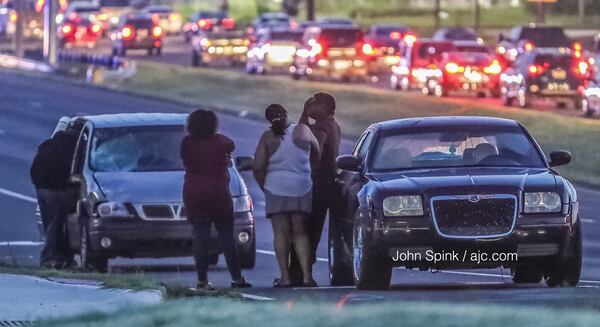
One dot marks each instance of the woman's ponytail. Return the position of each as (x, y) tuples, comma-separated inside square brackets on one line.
[(278, 117)]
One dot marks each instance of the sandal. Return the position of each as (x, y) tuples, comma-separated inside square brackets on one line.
[(241, 283), (311, 283), (278, 284), (205, 286)]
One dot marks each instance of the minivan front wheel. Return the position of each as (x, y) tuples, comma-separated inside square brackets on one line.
[(89, 259)]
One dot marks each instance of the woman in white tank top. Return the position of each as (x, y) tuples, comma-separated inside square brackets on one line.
[(283, 163)]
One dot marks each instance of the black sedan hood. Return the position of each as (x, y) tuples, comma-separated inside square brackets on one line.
[(479, 180)]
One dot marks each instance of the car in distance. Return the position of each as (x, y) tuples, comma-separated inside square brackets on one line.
[(125, 196), (453, 185), (220, 47), (525, 38), (472, 71), (455, 34), (137, 32), (335, 21), (168, 19), (207, 21), (274, 50), (79, 31), (590, 101), (545, 73), (384, 40), (331, 52)]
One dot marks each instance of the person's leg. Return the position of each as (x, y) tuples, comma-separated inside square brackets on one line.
[(295, 269), (201, 234), (230, 250), (302, 246), (316, 221), (281, 242), (50, 210)]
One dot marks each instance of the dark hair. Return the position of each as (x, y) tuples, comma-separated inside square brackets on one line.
[(277, 116), (327, 100), (202, 123)]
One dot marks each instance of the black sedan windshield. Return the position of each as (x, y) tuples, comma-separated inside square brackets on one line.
[(455, 147), (143, 148)]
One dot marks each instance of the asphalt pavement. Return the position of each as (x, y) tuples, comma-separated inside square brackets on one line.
[(31, 106)]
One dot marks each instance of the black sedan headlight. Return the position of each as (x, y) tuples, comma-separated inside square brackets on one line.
[(542, 202), (403, 206)]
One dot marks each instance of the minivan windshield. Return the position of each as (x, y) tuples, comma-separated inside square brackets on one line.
[(139, 148), (460, 146)]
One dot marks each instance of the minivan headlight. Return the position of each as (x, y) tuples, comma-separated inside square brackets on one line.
[(242, 203), (112, 209), (539, 202), (401, 206)]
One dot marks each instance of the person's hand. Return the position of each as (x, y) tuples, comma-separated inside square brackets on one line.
[(304, 118)]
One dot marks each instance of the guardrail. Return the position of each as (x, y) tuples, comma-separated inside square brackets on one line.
[(112, 62)]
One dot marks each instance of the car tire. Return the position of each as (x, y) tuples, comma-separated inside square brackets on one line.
[(122, 52), (195, 59), (585, 107), (114, 52), (567, 272), (507, 101), (149, 52), (159, 51), (523, 274), (371, 271), (213, 259), (248, 256), (88, 258), (296, 76), (340, 268)]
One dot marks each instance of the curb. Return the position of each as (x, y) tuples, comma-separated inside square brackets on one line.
[(24, 64)]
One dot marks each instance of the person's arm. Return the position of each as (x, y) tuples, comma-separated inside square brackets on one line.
[(260, 162), (315, 154)]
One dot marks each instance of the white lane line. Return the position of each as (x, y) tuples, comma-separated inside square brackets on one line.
[(21, 243), (273, 253), (466, 273), (588, 221), (18, 195), (257, 297)]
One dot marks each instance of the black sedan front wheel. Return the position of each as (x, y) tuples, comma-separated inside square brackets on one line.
[(568, 271), (89, 259), (372, 270)]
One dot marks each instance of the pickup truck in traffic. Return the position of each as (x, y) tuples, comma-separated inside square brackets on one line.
[(219, 47)]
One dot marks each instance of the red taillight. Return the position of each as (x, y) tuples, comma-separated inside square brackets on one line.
[(67, 29), (395, 35), (73, 16), (535, 70), (127, 32), (228, 23), (204, 24), (293, 24), (453, 68), (410, 38), (156, 18), (577, 47), (315, 47), (156, 32), (367, 49), (494, 68), (96, 28)]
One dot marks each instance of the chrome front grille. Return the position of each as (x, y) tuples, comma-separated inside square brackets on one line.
[(474, 216), (165, 211)]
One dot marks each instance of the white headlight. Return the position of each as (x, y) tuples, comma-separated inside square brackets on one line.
[(407, 205), (112, 209), (536, 202)]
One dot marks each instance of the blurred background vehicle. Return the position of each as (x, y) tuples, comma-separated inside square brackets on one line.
[(274, 50), (271, 19), (207, 21), (455, 34), (169, 20), (525, 38), (79, 31), (384, 40), (135, 32), (335, 21), (331, 52), (114, 10), (419, 63), (225, 46), (545, 73), (590, 101)]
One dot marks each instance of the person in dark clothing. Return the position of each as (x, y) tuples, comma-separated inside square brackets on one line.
[(206, 157), (49, 172), (321, 108)]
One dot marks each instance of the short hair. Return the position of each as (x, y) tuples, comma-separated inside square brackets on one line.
[(202, 123), (327, 100)]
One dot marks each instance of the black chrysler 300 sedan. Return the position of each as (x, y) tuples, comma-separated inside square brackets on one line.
[(450, 193)]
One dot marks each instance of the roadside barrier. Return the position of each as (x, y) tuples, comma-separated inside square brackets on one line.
[(112, 62)]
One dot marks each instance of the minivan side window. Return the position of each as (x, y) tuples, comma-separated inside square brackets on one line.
[(80, 151)]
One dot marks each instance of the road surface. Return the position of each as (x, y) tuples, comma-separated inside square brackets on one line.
[(30, 107)]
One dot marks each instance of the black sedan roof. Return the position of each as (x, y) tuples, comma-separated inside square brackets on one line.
[(444, 121)]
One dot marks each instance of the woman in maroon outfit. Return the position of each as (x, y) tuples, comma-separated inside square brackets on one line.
[(207, 157)]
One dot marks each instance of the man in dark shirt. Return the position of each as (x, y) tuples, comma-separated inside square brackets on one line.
[(49, 173), (321, 108)]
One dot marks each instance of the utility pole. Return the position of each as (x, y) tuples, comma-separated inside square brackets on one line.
[(310, 9), (436, 12), (541, 13), (581, 11), (50, 11), (477, 15), (18, 42)]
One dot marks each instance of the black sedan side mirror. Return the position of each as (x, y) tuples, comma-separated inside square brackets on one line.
[(559, 158), (243, 163), (349, 162)]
